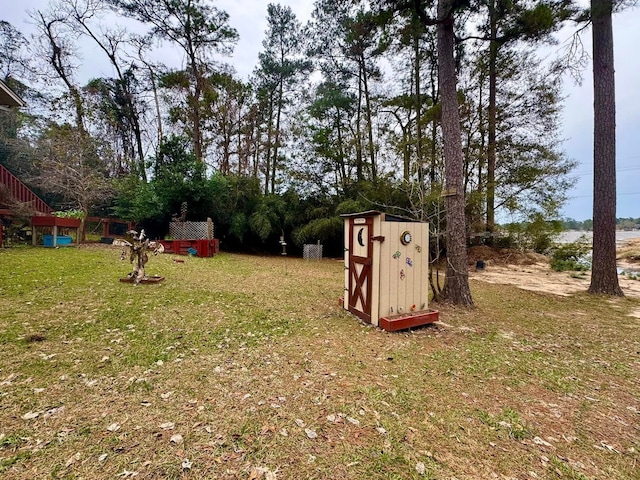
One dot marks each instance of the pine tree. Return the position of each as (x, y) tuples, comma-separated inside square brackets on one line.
[(456, 289), (281, 67), (199, 30), (604, 275)]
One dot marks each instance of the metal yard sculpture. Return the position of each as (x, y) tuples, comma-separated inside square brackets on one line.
[(139, 246)]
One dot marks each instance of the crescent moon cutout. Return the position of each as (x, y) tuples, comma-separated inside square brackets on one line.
[(360, 240)]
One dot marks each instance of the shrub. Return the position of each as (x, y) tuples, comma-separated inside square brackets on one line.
[(69, 214), (536, 233), (572, 256)]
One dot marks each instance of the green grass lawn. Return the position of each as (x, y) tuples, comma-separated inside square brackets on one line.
[(246, 367)]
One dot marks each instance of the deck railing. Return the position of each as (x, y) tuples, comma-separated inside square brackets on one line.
[(21, 193)]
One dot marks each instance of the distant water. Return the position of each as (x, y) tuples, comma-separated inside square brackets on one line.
[(573, 235)]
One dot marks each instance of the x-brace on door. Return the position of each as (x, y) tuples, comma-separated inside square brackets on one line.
[(360, 267)]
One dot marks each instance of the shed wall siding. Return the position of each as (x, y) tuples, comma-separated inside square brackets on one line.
[(403, 285), (375, 272)]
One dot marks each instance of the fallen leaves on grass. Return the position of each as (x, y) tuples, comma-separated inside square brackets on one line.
[(258, 473), (128, 474), (540, 441), (242, 331), (354, 421), (73, 459)]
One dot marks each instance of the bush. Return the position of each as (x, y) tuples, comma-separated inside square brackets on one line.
[(536, 233), (69, 214), (572, 256)]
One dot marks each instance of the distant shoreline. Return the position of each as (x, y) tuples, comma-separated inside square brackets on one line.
[(569, 236)]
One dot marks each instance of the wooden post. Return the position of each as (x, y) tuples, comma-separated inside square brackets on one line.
[(33, 235), (55, 236)]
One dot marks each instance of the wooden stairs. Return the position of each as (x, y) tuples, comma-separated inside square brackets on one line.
[(19, 192)]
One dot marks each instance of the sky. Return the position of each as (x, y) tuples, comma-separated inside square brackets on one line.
[(248, 17), (577, 122)]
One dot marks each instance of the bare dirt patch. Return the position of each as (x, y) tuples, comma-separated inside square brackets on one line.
[(504, 256), (629, 252), (531, 271)]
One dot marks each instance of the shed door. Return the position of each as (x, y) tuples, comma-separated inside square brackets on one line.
[(360, 264)]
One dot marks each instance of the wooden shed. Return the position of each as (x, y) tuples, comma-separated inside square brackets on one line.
[(386, 266)]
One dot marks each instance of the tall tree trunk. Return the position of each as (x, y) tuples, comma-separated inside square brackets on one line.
[(255, 154), (276, 147), (482, 132), (416, 74), (240, 149), (198, 90), (268, 147), (341, 156), (137, 132), (358, 139), (156, 101), (198, 77), (226, 134), (195, 119), (491, 124), (434, 133), (604, 275), (406, 150), (456, 288), (367, 106)]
